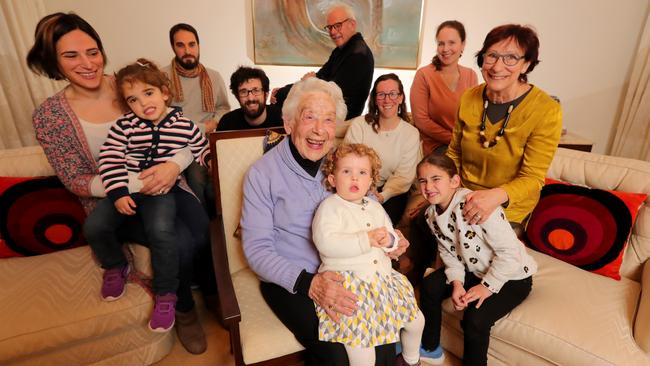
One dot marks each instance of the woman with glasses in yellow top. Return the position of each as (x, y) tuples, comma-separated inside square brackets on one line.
[(387, 130), (507, 130)]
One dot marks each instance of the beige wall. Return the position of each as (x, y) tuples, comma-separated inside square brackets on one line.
[(587, 46)]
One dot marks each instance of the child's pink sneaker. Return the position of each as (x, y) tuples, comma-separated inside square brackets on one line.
[(164, 313), (113, 284)]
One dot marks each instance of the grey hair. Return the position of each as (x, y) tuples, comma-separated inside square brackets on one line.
[(308, 86), (349, 12)]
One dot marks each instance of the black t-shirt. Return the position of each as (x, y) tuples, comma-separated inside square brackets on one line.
[(234, 120)]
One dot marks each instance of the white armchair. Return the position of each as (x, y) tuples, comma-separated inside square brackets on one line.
[(256, 335)]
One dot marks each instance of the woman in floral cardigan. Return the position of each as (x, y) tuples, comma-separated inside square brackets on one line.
[(72, 125)]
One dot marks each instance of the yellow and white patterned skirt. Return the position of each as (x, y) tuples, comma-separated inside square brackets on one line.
[(386, 304)]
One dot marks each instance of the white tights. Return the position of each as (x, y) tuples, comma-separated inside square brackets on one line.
[(410, 335)]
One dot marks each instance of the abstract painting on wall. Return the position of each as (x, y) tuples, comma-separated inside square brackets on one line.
[(290, 32)]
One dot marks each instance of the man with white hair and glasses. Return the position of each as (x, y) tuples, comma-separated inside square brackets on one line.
[(350, 64)]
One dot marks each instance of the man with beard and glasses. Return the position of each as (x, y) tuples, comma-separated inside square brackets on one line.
[(200, 92), (251, 88)]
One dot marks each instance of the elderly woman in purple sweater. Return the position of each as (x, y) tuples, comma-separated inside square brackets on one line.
[(281, 193)]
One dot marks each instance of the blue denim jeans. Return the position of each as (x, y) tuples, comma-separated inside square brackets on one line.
[(192, 236), (157, 215)]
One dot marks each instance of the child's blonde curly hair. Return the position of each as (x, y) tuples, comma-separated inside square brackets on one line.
[(329, 166)]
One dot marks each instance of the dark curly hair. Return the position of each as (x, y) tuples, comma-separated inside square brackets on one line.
[(243, 74)]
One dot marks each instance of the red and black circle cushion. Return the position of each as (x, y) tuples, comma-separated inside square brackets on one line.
[(38, 216), (586, 227)]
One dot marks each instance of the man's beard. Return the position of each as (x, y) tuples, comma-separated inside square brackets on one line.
[(254, 114), (192, 62)]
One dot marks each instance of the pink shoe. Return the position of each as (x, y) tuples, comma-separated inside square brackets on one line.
[(113, 284), (164, 313)]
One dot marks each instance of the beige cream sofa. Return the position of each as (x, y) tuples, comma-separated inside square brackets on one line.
[(50, 309), (573, 317)]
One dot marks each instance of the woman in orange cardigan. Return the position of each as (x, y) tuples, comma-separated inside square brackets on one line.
[(437, 88)]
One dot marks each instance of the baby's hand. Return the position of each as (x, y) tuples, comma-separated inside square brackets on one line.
[(125, 205), (377, 237), (383, 239)]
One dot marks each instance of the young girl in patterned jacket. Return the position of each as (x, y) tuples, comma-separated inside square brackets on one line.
[(151, 134), (353, 234), (487, 271)]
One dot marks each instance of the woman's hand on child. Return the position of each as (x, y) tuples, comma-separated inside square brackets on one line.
[(159, 179), (125, 205), (478, 292), (480, 204), (327, 290), (457, 296)]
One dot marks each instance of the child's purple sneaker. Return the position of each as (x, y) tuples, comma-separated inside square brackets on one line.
[(113, 285), (164, 313)]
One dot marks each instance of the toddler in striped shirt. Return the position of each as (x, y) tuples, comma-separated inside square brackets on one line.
[(150, 134)]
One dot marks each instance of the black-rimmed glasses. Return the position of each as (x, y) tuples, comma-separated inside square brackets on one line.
[(392, 95), (336, 26), (243, 93), (508, 59)]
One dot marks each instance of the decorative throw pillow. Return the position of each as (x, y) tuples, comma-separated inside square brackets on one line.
[(586, 227), (271, 140), (38, 216)]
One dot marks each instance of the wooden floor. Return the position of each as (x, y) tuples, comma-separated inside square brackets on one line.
[(218, 352)]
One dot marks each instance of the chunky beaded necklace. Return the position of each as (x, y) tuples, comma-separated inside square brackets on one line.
[(484, 141)]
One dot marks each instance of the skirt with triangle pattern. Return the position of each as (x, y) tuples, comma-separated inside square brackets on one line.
[(386, 304)]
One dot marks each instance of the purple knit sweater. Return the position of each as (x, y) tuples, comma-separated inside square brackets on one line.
[(280, 200)]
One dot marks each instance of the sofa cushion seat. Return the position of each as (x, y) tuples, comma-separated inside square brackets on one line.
[(53, 303), (565, 320), (263, 336)]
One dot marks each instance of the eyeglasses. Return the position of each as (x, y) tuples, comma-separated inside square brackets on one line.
[(243, 93), (508, 59), (335, 26), (392, 95)]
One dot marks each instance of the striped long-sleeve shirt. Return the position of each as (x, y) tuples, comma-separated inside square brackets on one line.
[(135, 144)]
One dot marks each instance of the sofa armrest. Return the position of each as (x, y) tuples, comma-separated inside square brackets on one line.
[(228, 305), (641, 328)]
